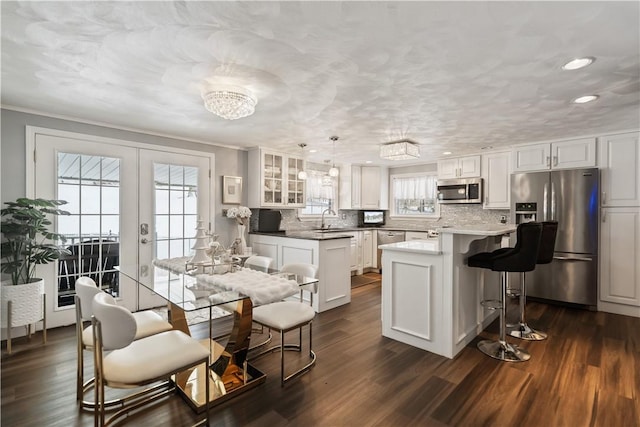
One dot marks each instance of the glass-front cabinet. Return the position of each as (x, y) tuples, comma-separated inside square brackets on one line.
[(273, 180), (295, 186)]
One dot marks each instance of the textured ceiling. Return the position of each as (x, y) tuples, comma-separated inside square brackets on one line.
[(452, 76)]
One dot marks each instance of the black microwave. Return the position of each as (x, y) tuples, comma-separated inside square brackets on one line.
[(467, 190), (371, 218)]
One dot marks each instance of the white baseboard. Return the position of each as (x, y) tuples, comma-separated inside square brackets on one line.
[(623, 309)]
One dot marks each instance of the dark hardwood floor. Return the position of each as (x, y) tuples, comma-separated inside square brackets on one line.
[(586, 374)]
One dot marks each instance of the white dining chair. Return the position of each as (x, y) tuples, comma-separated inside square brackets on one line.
[(135, 362), (303, 269), (258, 262), (147, 323), (285, 316)]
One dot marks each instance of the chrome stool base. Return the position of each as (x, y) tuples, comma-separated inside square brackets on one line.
[(503, 351), (526, 332)]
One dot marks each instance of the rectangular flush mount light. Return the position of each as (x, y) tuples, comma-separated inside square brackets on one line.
[(400, 150)]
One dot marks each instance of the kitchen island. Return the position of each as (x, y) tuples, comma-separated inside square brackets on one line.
[(430, 297), (329, 251)]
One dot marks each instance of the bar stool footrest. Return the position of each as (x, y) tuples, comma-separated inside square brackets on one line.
[(513, 293), (524, 332), (491, 304), (503, 351)]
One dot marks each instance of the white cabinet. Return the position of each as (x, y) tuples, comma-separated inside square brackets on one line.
[(350, 186), (415, 235), (330, 255), (620, 224), (374, 187), (355, 253), (497, 180), (362, 250), (367, 249), (374, 249), (619, 266), (277, 183), (620, 169), (577, 153), (461, 167), (368, 185), (532, 157)]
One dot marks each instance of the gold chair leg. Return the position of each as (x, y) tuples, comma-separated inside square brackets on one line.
[(80, 374), (9, 304), (44, 319)]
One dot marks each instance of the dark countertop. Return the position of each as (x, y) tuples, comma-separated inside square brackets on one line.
[(306, 235), (331, 233)]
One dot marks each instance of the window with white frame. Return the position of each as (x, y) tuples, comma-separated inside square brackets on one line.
[(414, 195), (321, 191)]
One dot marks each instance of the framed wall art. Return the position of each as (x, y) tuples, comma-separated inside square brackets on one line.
[(232, 190)]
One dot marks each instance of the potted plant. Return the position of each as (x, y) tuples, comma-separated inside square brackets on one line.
[(27, 242)]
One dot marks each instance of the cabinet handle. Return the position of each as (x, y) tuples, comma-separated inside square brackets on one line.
[(604, 217), (555, 160), (548, 161), (566, 258), (553, 202), (604, 197)]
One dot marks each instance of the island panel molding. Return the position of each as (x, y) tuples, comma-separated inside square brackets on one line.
[(451, 294)]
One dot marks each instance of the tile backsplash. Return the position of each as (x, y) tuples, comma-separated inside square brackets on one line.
[(449, 215), (454, 215)]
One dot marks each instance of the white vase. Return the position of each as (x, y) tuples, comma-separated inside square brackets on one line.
[(26, 303), (241, 235)]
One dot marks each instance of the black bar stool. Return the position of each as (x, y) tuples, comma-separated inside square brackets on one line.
[(545, 256), (522, 257)]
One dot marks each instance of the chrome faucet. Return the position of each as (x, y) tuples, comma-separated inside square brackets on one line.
[(322, 225)]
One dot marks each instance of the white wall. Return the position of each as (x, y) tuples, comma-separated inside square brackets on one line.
[(12, 150), (449, 214)]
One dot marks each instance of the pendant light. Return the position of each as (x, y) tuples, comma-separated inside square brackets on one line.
[(334, 171), (302, 175)]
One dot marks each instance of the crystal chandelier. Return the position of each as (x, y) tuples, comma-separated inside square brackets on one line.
[(334, 171), (400, 150), (231, 102)]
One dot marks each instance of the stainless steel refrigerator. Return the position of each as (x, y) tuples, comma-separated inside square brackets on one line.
[(571, 198)]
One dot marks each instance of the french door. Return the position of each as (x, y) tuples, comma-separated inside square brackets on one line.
[(175, 197), (127, 204)]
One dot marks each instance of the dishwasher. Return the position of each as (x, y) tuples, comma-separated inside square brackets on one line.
[(385, 237)]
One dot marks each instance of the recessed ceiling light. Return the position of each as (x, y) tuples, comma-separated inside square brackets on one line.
[(585, 99), (446, 153), (576, 64), (313, 151), (368, 161)]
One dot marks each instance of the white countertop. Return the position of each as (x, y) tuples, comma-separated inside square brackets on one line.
[(480, 229), (419, 246)]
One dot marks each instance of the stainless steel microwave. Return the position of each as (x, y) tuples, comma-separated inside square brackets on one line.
[(466, 190)]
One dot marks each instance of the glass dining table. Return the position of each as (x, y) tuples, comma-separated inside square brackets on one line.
[(185, 292)]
